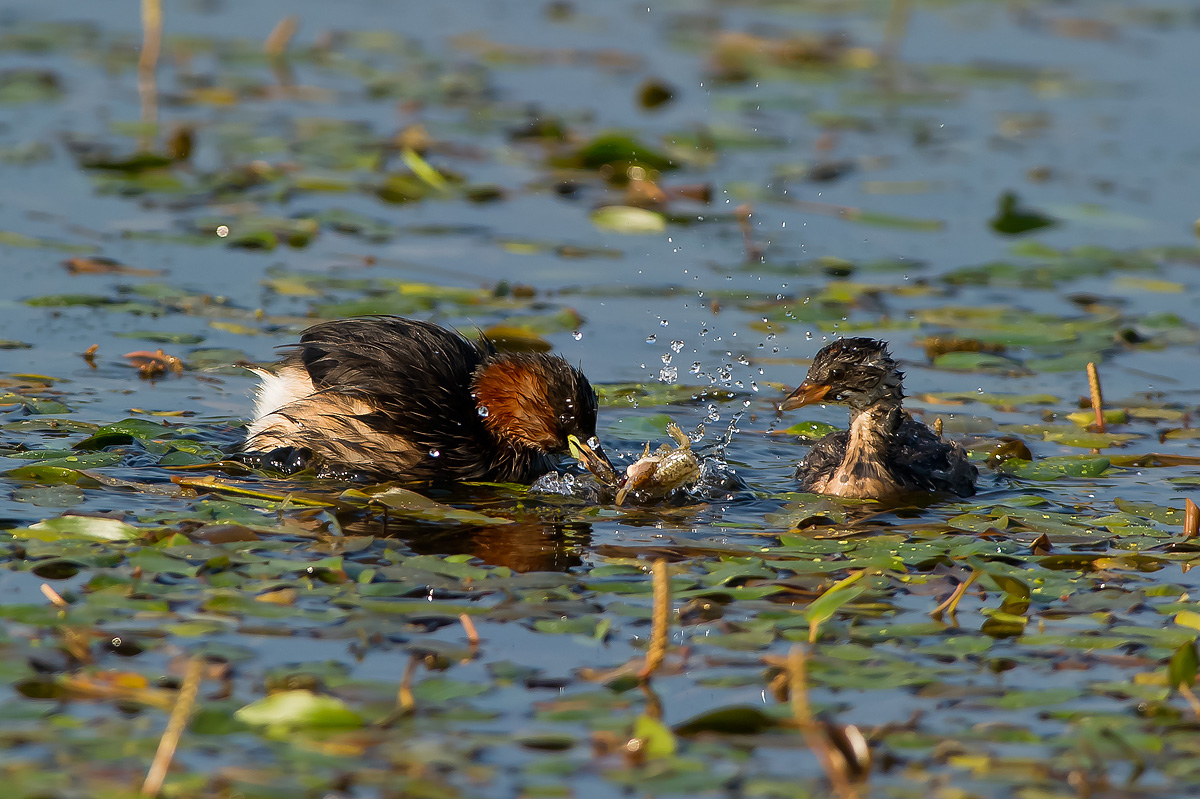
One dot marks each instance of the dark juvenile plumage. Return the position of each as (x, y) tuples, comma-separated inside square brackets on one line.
[(387, 396), (885, 452)]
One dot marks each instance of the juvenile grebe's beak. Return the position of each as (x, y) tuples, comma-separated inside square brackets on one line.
[(593, 458), (806, 394)]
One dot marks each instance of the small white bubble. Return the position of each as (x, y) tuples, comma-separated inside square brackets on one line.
[(222, 230), (578, 334), (435, 453), (483, 412), (650, 339), (663, 323)]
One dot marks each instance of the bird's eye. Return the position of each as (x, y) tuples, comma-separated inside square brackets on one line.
[(837, 373)]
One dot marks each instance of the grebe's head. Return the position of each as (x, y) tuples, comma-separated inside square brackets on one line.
[(540, 402), (858, 372)]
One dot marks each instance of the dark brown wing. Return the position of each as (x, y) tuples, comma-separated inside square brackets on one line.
[(416, 376), (922, 458)]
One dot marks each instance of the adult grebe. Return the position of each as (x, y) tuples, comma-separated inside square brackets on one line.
[(390, 397)]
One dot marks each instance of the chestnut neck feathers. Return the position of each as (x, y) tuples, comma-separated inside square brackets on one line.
[(534, 400), (426, 403)]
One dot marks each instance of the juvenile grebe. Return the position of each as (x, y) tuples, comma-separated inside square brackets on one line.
[(391, 397), (885, 453)]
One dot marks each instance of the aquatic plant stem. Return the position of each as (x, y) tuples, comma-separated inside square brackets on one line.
[(469, 628), (54, 597), (832, 762), (951, 603), (148, 64), (1190, 697), (660, 630), (1191, 519), (894, 30), (753, 253), (1097, 397), (175, 726), (280, 36)]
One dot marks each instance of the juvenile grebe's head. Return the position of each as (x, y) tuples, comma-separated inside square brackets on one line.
[(540, 402), (858, 372)]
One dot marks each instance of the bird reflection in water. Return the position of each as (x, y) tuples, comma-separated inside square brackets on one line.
[(523, 546)]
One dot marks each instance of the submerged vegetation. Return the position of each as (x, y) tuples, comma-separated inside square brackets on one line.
[(687, 200)]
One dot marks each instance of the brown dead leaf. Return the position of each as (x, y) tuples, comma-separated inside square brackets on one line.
[(98, 265)]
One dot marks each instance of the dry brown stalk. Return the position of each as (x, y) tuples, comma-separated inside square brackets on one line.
[(1097, 396), (660, 630), (1191, 519), (175, 726)]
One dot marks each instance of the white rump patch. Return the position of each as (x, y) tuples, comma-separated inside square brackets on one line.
[(290, 384)]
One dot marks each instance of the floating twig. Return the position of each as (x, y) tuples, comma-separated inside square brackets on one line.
[(175, 726), (1097, 396), (951, 603), (89, 355), (1191, 519), (660, 630)]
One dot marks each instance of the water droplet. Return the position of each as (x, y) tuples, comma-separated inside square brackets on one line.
[(808, 336), (483, 412), (663, 323), (676, 345), (578, 334), (435, 453), (650, 339)]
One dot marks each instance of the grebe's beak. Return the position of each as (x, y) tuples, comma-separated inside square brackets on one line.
[(593, 458), (806, 394)]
